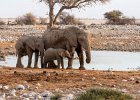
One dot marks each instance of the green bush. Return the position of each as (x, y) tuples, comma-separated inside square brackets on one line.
[(103, 94)]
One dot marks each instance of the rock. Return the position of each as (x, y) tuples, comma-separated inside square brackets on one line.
[(1, 86), (124, 90), (124, 80), (93, 78), (33, 95), (20, 87), (26, 99), (24, 95), (2, 96), (67, 97), (58, 90), (47, 95), (132, 78), (6, 87), (38, 84), (13, 92)]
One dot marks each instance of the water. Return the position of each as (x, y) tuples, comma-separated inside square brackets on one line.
[(101, 60)]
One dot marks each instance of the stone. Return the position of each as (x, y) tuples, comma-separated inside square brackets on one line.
[(47, 95), (1, 86), (6, 87), (68, 97), (2, 96), (93, 78), (20, 87), (132, 78), (13, 92), (124, 80), (58, 90)]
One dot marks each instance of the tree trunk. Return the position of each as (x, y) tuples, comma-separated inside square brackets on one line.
[(51, 14)]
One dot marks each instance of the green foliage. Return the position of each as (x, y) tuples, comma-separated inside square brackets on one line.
[(56, 97), (103, 94)]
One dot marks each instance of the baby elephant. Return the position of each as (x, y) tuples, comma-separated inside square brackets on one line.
[(56, 54)]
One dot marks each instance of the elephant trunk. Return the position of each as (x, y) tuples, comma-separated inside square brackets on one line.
[(88, 54)]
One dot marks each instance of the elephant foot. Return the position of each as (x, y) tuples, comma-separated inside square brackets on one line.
[(36, 67), (19, 66), (69, 67), (29, 67), (81, 68)]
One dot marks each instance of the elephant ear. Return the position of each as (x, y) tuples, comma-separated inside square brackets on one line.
[(31, 43), (61, 54)]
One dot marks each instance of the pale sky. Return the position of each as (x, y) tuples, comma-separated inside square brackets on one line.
[(15, 8)]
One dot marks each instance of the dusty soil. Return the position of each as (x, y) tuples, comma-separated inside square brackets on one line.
[(128, 82)]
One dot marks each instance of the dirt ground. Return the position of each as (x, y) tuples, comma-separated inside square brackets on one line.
[(126, 81)]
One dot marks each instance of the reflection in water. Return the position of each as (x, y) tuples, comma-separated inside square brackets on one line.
[(101, 60)]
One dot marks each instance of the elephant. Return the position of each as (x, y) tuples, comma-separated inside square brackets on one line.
[(56, 54), (27, 45), (78, 41)]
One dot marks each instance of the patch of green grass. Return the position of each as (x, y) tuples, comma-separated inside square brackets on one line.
[(103, 94), (56, 97)]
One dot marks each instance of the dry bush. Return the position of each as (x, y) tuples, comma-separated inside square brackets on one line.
[(2, 22), (67, 19), (27, 19), (43, 21)]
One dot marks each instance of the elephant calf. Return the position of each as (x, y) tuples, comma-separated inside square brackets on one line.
[(56, 54), (27, 45)]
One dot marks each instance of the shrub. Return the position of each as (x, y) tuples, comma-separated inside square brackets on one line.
[(43, 21), (20, 21), (103, 94), (113, 16), (2, 22), (116, 17), (27, 19), (67, 19)]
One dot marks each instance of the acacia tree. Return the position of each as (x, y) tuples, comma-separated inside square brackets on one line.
[(67, 4)]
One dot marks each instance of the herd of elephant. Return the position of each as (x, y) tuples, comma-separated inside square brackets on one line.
[(54, 45)]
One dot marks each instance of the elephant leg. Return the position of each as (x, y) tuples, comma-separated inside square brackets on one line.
[(36, 59), (52, 65), (80, 54), (70, 60), (62, 63), (58, 62), (19, 64), (30, 53)]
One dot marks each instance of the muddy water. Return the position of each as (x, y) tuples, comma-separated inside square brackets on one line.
[(101, 60)]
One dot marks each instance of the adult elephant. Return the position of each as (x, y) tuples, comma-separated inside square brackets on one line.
[(27, 45), (77, 38)]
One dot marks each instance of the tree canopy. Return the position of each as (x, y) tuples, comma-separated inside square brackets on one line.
[(67, 4)]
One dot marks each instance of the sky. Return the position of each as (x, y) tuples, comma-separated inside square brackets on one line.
[(15, 8)]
